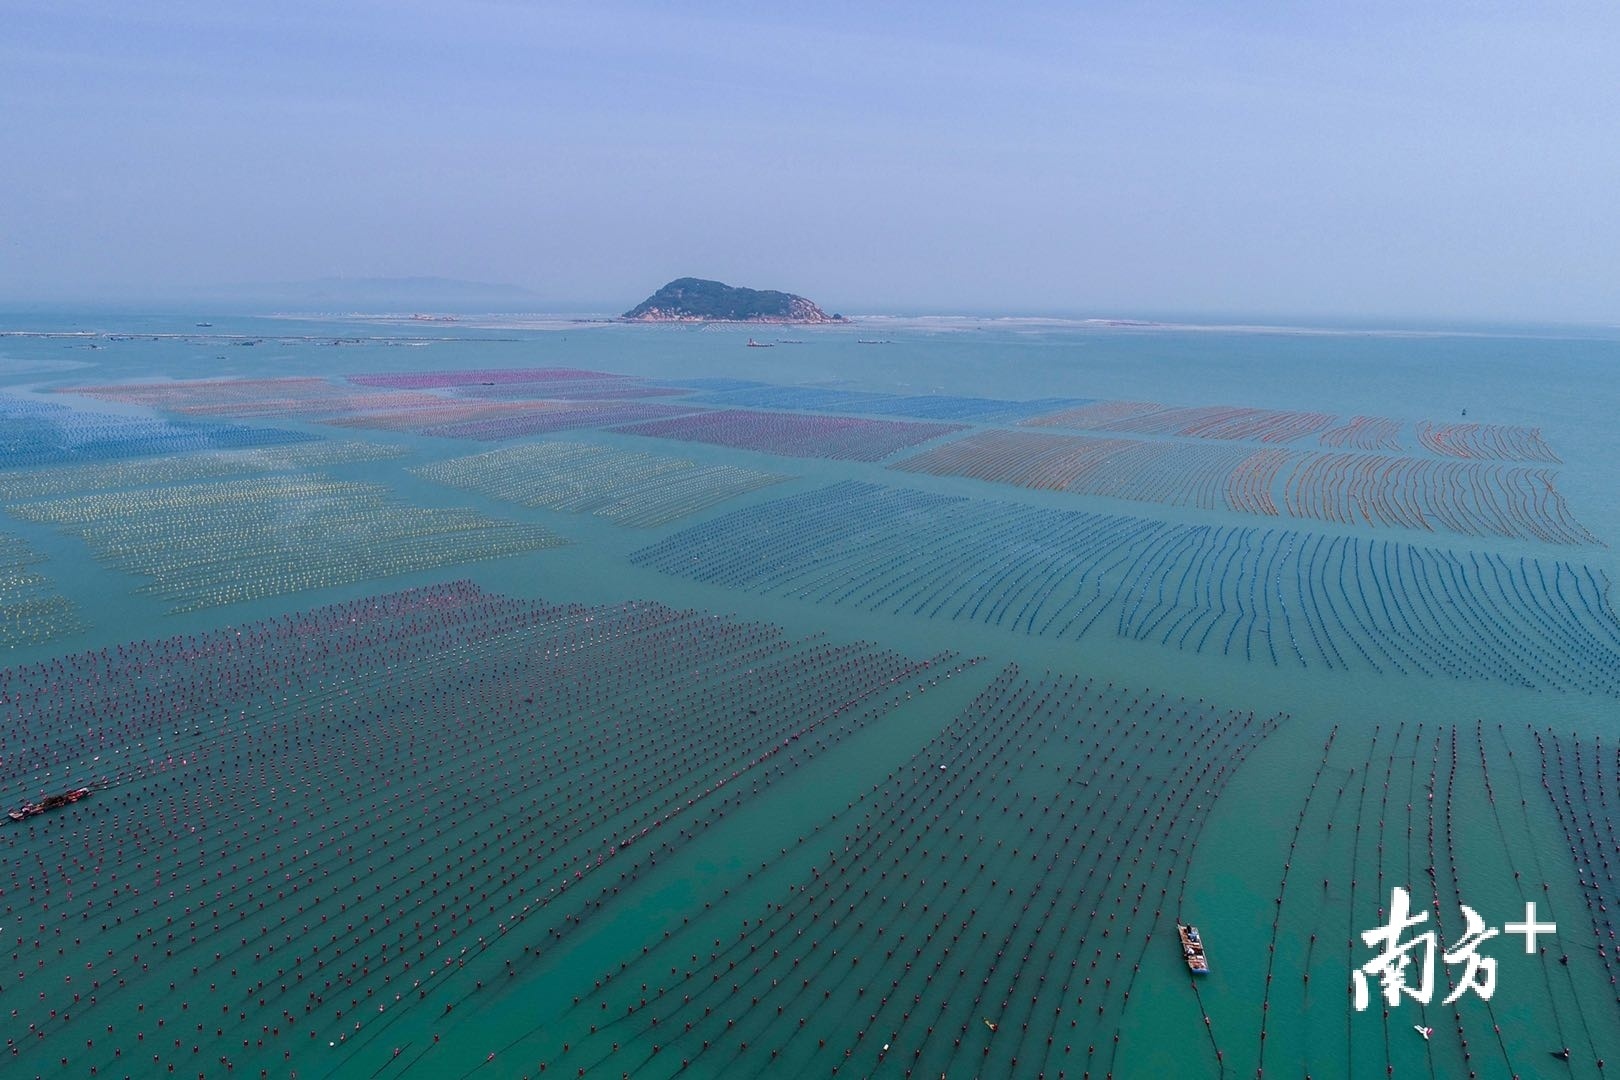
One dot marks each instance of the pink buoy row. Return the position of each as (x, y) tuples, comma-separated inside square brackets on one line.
[(1470, 498), (1199, 422), (1425, 494), (448, 412), (1364, 433), (1172, 474), (946, 407), (1095, 414), (615, 389), (1501, 441)]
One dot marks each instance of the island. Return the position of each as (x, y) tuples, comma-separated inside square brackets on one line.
[(697, 300)]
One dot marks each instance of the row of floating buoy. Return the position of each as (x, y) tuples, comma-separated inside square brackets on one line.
[(1577, 775), (630, 488), (1201, 422), (124, 473), (220, 542), (540, 380), (844, 438), (48, 433), (1170, 474), (1365, 433), (431, 419), (311, 828), (32, 610), (1282, 888), (1431, 772), (1017, 866), (510, 420), (1503, 442), (1469, 498), (286, 396), (1290, 597), (1507, 442), (947, 407)]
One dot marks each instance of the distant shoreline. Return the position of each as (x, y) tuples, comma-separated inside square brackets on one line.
[(930, 323), (429, 323)]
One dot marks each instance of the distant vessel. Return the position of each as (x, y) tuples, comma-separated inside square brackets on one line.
[(50, 802), (872, 341), (752, 344), (1192, 949)]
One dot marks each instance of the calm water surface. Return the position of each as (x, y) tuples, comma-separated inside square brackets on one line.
[(1283, 870)]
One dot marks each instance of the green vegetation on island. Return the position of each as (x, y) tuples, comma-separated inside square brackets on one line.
[(697, 300)]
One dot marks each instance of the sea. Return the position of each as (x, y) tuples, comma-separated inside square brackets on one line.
[(659, 855)]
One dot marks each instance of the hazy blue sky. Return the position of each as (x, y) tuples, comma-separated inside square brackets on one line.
[(1399, 160)]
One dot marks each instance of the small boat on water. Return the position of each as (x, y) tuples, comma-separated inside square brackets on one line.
[(50, 802), (1192, 949), (752, 344)]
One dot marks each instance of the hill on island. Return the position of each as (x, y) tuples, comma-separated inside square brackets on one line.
[(697, 300)]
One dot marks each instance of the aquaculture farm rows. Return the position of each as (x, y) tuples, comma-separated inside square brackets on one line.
[(221, 542), (1466, 497), (642, 490), (339, 910), (1260, 595)]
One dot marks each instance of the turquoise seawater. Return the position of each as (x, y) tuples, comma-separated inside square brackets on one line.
[(1275, 803)]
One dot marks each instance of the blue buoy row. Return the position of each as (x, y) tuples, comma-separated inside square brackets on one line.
[(45, 433), (1272, 595)]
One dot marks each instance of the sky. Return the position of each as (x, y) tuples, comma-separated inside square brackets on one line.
[(1360, 160)]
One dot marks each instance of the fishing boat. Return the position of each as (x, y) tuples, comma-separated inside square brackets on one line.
[(50, 802), (1192, 949), (752, 344)]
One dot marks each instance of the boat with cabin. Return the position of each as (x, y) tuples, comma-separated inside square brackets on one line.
[(1192, 948), (50, 802)]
